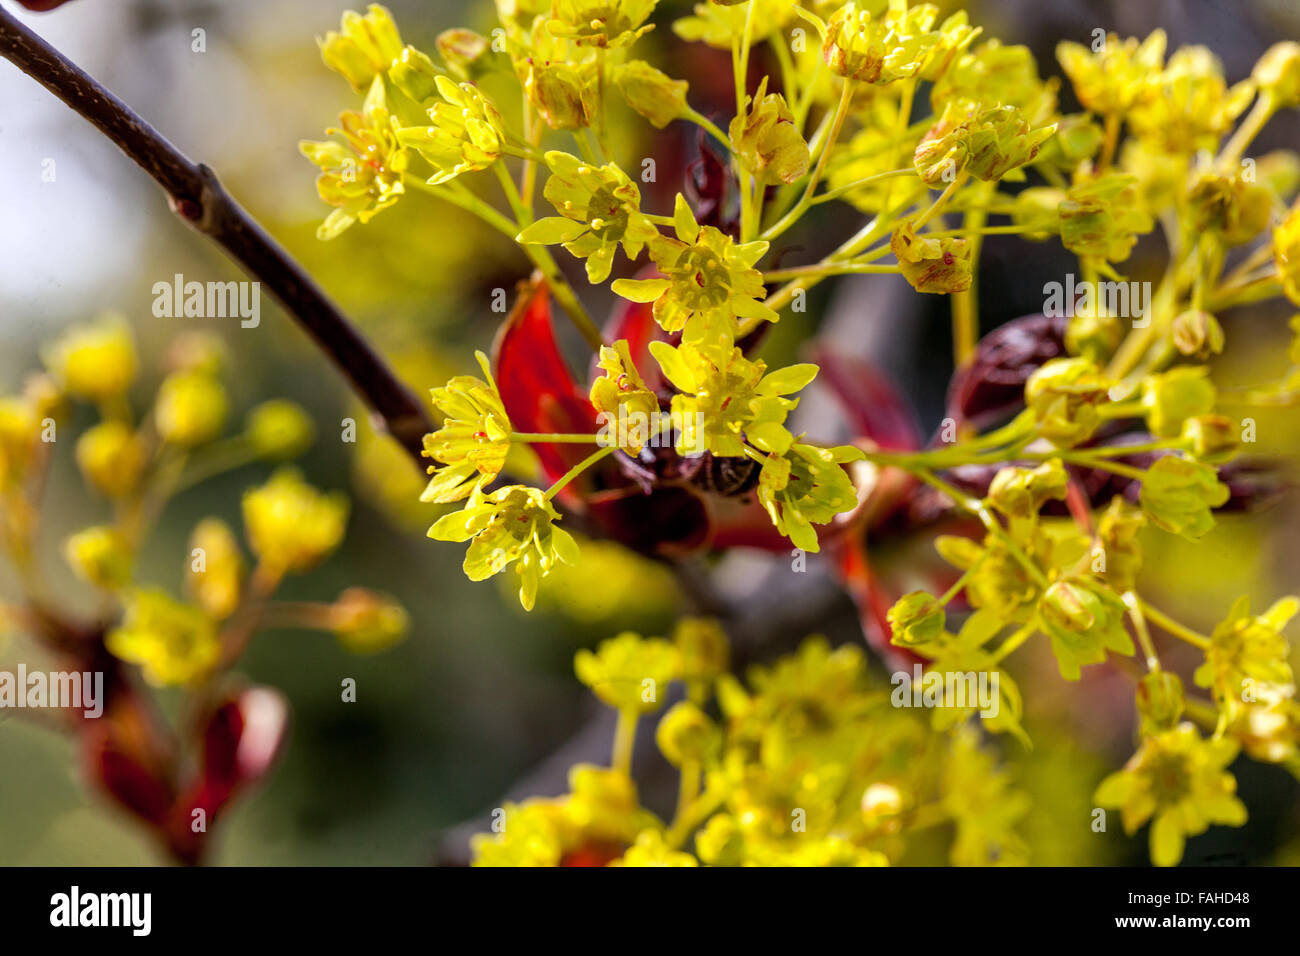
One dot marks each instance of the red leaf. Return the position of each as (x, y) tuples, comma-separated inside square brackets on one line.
[(875, 409)]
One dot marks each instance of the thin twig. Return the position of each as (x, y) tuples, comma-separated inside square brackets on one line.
[(198, 197)]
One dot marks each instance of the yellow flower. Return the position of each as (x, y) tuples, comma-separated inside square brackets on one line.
[(190, 408), (19, 429), (362, 176), (96, 361), (365, 48), (291, 526), (997, 75), (1188, 106), (514, 523), (1277, 73), (881, 49), (466, 134), (474, 441), (215, 569), (650, 850), (600, 209), (987, 144), (621, 387), (174, 643), (940, 266), (766, 141), (366, 622), (806, 485), (984, 805), (1064, 395), (101, 556), (1103, 218), (561, 81), (279, 429), (112, 458), (652, 93), (1286, 254), (711, 280), (1178, 495), (1181, 783), (704, 649), (1084, 619), (719, 25), (601, 23), (1022, 492), (1112, 79), (728, 400), (629, 672), (1247, 654)]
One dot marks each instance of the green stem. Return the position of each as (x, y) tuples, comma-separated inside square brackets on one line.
[(1168, 624), (837, 124), (578, 469), (624, 740)]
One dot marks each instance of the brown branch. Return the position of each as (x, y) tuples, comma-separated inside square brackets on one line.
[(198, 197)]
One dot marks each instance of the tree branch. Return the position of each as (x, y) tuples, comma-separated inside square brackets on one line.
[(198, 197)]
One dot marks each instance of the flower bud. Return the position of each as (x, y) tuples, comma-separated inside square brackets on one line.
[(1228, 205), (1022, 492), (279, 429), (1213, 437), (916, 618), (100, 556), (766, 140), (686, 734), (463, 51), (112, 458), (216, 568), (1160, 701), (932, 265), (882, 807), (365, 48), (1197, 332), (704, 648), (190, 408), (96, 361), (1064, 395), (652, 93), (1174, 396), (366, 622), (1178, 493), (290, 525), (1278, 73)]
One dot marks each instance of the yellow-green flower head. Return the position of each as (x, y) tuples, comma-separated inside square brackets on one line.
[(686, 734), (1182, 782), (1246, 653), (1277, 73), (530, 835), (96, 361), (1188, 106), (112, 458), (880, 49), (19, 429), (514, 523), (366, 622), (766, 141), (999, 582), (291, 526), (1286, 254), (987, 145), (651, 850), (365, 47), (916, 618), (727, 399), (719, 26), (101, 556), (1112, 79), (940, 266), (1064, 395), (1160, 701), (1117, 533), (806, 485), (466, 134), (984, 806), (173, 642), (190, 408), (215, 569), (600, 209), (622, 386), (474, 441), (463, 51), (1084, 619), (1236, 210), (1178, 494), (704, 648), (362, 176), (1022, 492), (1172, 397), (652, 93), (630, 672), (997, 75), (711, 280), (560, 81), (279, 429), (1103, 218), (601, 23)]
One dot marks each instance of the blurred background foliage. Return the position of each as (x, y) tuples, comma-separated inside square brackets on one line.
[(479, 694)]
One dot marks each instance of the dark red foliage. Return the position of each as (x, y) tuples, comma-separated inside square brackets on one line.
[(993, 385)]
